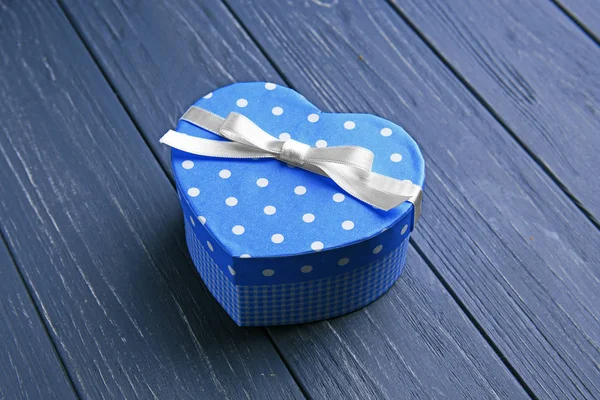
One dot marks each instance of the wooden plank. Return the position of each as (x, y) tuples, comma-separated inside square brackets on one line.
[(162, 71), (29, 365), (95, 227), (586, 13), (510, 244), (536, 69), (336, 365), (412, 343)]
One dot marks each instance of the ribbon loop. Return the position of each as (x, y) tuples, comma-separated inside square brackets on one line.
[(348, 166)]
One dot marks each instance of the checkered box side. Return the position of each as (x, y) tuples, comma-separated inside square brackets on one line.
[(294, 303)]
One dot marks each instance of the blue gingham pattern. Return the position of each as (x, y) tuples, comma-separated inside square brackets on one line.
[(292, 303)]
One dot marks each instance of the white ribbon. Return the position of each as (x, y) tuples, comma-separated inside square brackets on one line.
[(347, 166)]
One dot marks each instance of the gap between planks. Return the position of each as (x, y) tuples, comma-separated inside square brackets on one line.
[(571, 15), (5, 243), (495, 115), (298, 382)]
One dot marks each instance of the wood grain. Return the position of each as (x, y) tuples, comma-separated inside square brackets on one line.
[(586, 13), (95, 227), (29, 365), (513, 248), (412, 347), (538, 72), (412, 343)]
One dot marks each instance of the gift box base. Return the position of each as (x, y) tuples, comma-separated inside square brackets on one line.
[(294, 303)]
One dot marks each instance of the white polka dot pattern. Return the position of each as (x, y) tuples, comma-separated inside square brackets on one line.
[(300, 190), (270, 210), (308, 218), (303, 301), (277, 238), (396, 157), (313, 118), (262, 182), (267, 198), (338, 197)]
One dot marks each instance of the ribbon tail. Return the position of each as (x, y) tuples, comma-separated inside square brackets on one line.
[(211, 148), (378, 190)]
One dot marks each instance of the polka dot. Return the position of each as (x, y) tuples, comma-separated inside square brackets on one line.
[(187, 164), (193, 192), (386, 132), (241, 103), (210, 246), (245, 256), (321, 143), (268, 272), (277, 238), (285, 136), (270, 210), (404, 229), (231, 201), (338, 197), (270, 86), (231, 270), (300, 190), (317, 246), (238, 230), (225, 173), (262, 182), (349, 125), (192, 221), (208, 96), (396, 157), (348, 225), (343, 261), (313, 118), (202, 219), (377, 249), (306, 269), (277, 110), (308, 218)]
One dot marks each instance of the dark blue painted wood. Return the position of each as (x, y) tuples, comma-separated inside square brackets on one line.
[(29, 365), (538, 72), (95, 227), (586, 13), (514, 249), (415, 341)]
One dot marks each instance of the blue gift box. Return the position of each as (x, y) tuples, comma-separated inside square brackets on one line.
[(277, 244)]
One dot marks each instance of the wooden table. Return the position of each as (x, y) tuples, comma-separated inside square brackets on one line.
[(501, 295)]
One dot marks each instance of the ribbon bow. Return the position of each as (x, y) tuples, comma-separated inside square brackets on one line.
[(347, 166)]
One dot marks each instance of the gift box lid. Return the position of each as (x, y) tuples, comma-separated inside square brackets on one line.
[(265, 209)]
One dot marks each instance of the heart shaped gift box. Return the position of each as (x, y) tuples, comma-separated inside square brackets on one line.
[(282, 245)]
